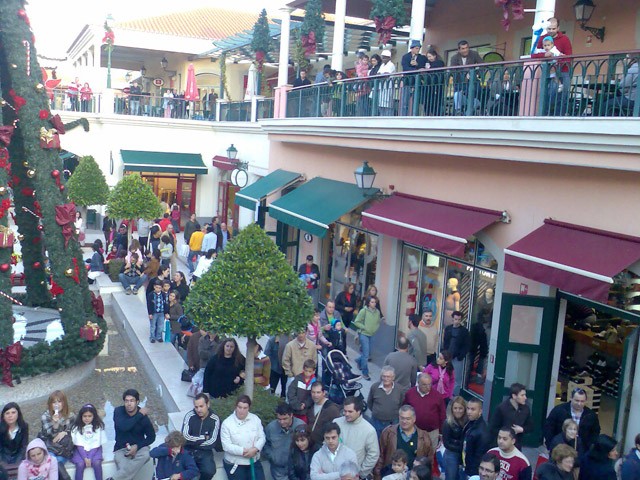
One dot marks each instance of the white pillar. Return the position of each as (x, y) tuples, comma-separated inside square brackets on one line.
[(338, 35), (418, 12), (545, 9), (285, 35)]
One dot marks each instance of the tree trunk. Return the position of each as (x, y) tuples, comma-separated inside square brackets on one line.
[(129, 231), (249, 367)]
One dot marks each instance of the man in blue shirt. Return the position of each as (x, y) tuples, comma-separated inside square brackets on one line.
[(134, 435)]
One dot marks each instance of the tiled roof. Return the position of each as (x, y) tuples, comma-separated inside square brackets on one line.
[(205, 23)]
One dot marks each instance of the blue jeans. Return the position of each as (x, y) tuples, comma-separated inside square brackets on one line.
[(451, 465), (156, 326), (191, 265), (127, 281), (379, 425), (243, 472), (363, 359)]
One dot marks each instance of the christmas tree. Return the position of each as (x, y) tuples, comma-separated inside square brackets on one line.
[(42, 212)]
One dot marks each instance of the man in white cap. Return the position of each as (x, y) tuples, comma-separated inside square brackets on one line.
[(386, 97)]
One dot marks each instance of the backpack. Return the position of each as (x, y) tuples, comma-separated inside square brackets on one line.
[(185, 323)]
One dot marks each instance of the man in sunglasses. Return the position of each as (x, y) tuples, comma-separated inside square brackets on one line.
[(587, 420)]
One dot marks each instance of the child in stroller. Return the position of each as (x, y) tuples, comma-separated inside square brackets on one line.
[(341, 382)]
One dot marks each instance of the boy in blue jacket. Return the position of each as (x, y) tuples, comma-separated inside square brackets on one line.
[(173, 461)]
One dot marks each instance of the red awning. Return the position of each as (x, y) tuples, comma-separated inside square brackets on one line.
[(433, 224), (576, 259), (225, 163)]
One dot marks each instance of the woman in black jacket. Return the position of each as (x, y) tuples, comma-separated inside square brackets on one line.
[(224, 372), (560, 466), (434, 85), (346, 303), (302, 450), (598, 463), (453, 436), (14, 435), (569, 436)]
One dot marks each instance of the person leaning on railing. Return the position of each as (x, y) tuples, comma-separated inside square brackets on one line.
[(622, 104)]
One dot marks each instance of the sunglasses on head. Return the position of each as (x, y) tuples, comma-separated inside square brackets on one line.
[(579, 391)]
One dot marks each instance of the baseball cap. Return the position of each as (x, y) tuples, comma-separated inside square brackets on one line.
[(415, 43), (386, 53)]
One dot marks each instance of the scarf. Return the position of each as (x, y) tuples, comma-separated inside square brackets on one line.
[(41, 470), (440, 386)]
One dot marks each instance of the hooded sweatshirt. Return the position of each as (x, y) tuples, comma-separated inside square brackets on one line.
[(47, 470)]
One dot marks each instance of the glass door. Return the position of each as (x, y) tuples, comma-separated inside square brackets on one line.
[(623, 412), (186, 198), (524, 354)]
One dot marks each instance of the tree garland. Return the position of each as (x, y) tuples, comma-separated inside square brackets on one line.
[(312, 29), (387, 15), (42, 210), (223, 76), (261, 41), (299, 54)]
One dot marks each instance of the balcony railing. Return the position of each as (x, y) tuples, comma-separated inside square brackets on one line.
[(165, 107), (596, 85)]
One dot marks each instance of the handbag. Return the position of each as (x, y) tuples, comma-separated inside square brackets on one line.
[(184, 250), (196, 384), (187, 375), (63, 448)]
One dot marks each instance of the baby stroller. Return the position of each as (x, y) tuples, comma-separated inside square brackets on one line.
[(341, 381)]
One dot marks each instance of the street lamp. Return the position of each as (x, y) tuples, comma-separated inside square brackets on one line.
[(128, 76), (164, 63), (365, 176), (232, 152), (143, 71), (583, 10), (108, 40)]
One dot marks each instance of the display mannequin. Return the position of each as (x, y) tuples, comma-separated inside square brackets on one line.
[(452, 302)]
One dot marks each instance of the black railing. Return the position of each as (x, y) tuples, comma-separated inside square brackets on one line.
[(599, 85)]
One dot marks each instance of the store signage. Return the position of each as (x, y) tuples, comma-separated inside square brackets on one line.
[(524, 289), (158, 82)]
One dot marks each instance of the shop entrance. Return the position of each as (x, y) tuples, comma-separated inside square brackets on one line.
[(174, 188), (525, 353), (599, 354)]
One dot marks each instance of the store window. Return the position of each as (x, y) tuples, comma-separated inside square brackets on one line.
[(352, 255), (434, 286)]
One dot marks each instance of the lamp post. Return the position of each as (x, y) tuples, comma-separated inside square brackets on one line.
[(108, 40), (365, 176), (583, 10), (232, 152)]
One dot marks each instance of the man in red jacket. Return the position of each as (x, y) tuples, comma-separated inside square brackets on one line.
[(562, 43)]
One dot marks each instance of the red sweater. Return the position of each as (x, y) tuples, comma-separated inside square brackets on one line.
[(562, 43), (430, 410)]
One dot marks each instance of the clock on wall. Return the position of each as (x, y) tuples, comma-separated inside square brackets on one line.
[(308, 237), (239, 178)]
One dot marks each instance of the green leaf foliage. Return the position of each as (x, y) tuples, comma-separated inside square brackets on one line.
[(87, 186), (390, 8), (250, 291), (261, 41), (133, 198), (263, 405), (313, 20)]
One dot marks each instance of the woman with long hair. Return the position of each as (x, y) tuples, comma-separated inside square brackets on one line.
[(372, 291), (442, 374), (57, 420), (598, 463), (346, 303), (434, 84), (14, 434), (224, 372), (302, 450), (179, 283), (453, 437)]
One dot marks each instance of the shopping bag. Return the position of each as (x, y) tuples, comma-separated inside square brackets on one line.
[(196, 384), (184, 250), (167, 331)]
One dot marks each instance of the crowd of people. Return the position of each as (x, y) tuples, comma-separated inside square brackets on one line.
[(315, 439)]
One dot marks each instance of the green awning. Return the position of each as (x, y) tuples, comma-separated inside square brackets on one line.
[(167, 162), (315, 205), (249, 196)]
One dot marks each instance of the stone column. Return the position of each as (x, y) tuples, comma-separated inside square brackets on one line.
[(545, 9), (418, 12), (338, 35), (285, 35)]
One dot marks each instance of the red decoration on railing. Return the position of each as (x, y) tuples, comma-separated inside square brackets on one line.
[(9, 357), (384, 27)]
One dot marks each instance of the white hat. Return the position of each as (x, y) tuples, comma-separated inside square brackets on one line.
[(386, 53)]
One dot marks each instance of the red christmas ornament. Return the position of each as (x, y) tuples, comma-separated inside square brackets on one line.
[(40, 227), (4, 267), (18, 101), (62, 188), (55, 174), (23, 15), (37, 265), (43, 114)]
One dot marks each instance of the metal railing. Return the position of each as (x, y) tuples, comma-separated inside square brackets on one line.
[(164, 107), (594, 85)]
